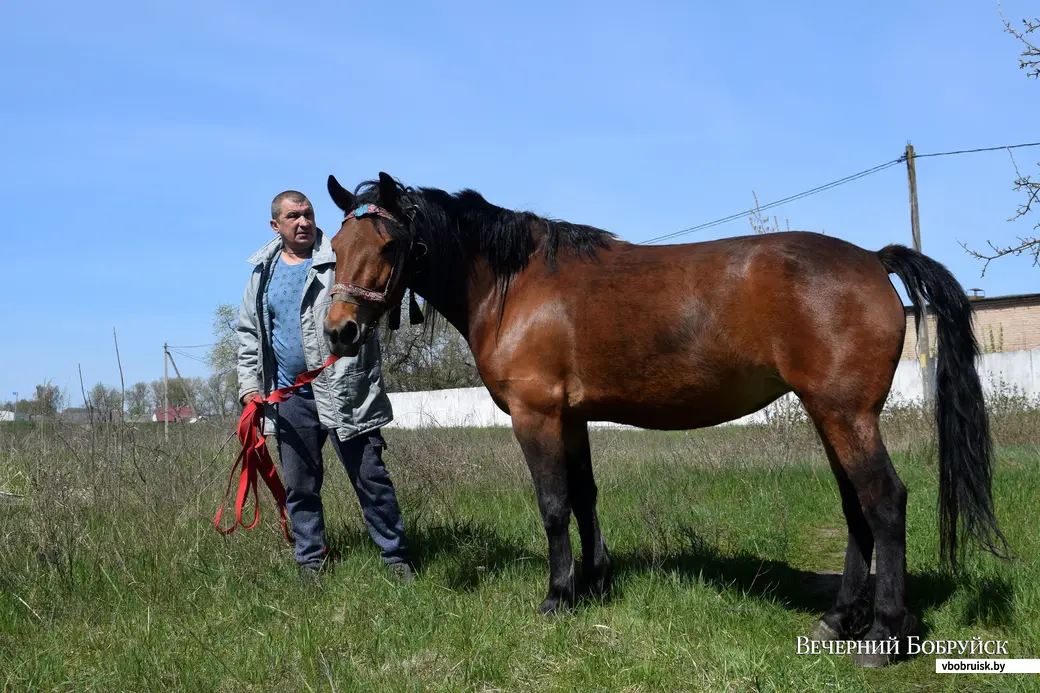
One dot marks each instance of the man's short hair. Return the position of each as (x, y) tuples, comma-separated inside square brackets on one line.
[(291, 195)]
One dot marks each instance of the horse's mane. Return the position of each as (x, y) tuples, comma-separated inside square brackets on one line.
[(457, 226)]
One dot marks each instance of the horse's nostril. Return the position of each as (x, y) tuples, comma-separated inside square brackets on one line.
[(349, 333)]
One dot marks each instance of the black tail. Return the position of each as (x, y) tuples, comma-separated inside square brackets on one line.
[(965, 449)]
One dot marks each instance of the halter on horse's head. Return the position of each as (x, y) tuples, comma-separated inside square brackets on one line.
[(346, 331), (352, 293)]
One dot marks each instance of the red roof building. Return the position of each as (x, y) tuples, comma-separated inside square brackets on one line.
[(173, 414)]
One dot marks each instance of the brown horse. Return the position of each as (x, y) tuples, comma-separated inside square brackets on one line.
[(569, 324)]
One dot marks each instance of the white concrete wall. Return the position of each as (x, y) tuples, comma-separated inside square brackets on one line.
[(1018, 368), (472, 407), (462, 406)]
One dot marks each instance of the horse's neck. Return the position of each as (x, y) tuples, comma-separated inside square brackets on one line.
[(471, 301), (465, 303)]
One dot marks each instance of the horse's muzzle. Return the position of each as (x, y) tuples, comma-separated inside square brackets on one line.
[(344, 340)]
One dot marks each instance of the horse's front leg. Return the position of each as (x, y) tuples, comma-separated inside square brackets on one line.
[(541, 439), (582, 492)]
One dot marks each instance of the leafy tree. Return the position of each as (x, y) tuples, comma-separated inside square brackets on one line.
[(182, 392), (105, 401), (138, 400), (223, 361), (46, 402)]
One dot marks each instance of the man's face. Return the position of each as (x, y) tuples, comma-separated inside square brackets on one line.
[(295, 224)]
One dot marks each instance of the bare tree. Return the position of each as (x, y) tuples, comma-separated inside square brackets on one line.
[(414, 358), (1028, 244), (1030, 57), (218, 396), (418, 357)]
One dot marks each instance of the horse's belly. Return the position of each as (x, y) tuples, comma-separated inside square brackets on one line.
[(677, 404)]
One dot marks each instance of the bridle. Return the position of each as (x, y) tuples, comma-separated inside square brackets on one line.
[(359, 295)]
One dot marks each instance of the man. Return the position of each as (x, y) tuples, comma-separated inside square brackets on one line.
[(280, 336)]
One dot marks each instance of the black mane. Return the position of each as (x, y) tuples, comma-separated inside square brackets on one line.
[(456, 227)]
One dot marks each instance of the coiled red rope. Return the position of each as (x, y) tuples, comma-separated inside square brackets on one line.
[(255, 460)]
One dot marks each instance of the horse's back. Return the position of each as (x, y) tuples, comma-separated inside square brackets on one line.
[(737, 293), (692, 335)]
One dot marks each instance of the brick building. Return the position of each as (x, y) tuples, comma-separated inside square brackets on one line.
[(1002, 323)]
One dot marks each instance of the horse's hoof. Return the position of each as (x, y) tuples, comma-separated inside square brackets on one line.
[(871, 660), (599, 589), (553, 605), (823, 632)]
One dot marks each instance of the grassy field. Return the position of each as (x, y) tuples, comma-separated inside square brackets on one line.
[(727, 545)]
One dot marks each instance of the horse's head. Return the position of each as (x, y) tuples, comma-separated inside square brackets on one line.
[(371, 265)]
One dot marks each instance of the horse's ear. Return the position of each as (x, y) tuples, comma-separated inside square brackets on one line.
[(340, 195), (388, 191)]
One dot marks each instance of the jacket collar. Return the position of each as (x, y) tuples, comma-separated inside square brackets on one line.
[(321, 255)]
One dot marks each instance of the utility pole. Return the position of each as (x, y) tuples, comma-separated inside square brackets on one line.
[(922, 326), (166, 390), (15, 405), (180, 379)]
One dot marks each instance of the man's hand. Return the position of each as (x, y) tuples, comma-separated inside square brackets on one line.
[(249, 397)]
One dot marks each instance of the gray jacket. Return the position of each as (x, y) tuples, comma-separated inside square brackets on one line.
[(350, 395)]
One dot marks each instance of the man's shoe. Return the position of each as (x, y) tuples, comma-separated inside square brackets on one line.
[(312, 572), (401, 572)]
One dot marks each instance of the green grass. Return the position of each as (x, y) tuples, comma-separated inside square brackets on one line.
[(725, 542)]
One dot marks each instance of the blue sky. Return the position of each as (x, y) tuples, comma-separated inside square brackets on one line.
[(143, 141)]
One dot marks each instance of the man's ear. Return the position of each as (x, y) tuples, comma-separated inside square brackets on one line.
[(343, 198), (388, 191)]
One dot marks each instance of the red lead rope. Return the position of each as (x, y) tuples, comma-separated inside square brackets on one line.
[(255, 458)]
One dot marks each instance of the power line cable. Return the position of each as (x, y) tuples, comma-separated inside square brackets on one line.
[(182, 351), (188, 356), (980, 149), (777, 203), (824, 187)]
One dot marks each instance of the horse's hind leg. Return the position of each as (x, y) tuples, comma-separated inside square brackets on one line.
[(871, 492), (851, 614), (542, 441), (596, 570)]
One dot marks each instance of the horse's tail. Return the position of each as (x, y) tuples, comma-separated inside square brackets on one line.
[(965, 448)]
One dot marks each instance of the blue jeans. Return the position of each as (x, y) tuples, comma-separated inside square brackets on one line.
[(301, 437)]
